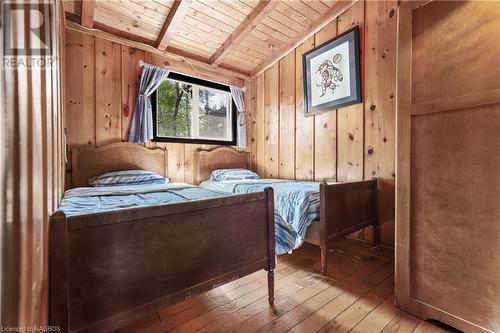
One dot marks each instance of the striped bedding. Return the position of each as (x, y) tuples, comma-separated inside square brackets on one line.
[(296, 205), (88, 200)]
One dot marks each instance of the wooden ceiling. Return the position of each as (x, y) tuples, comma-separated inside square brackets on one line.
[(243, 36)]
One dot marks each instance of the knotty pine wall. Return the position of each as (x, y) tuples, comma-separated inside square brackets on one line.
[(351, 143), (101, 78)]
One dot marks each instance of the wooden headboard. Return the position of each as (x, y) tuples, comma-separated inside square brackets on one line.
[(88, 162), (207, 160)]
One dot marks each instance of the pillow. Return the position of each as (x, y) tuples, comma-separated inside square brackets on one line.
[(127, 177), (233, 174)]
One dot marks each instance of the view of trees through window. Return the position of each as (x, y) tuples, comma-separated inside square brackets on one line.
[(175, 101), (191, 111)]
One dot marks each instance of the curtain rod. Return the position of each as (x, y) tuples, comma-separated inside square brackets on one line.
[(142, 64)]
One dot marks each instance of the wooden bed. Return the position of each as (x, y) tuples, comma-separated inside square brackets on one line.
[(344, 207), (109, 269)]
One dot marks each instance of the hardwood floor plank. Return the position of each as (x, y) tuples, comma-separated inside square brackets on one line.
[(360, 309), (234, 318), (265, 317), (234, 305), (402, 323), (356, 296), (347, 267), (383, 273), (192, 317), (210, 295), (376, 320), (324, 315), (304, 310)]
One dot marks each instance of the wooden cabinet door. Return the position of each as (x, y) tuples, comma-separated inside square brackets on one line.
[(448, 163)]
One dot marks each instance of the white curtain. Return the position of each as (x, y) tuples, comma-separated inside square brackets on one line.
[(141, 129), (241, 120)]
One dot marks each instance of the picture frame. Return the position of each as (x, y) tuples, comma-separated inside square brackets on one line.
[(332, 76)]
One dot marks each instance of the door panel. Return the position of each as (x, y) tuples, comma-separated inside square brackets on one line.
[(448, 163)]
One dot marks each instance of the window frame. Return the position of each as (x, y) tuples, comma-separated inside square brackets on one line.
[(201, 83)]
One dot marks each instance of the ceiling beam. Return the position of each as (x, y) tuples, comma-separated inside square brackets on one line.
[(177, 62), (174, 18), (87, 17), (245, 27), (331, 13)]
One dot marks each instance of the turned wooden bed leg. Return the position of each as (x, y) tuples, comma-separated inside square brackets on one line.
[(324, 254), (270, 286), (271, 236)]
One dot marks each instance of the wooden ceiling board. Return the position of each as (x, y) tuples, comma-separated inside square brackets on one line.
[(187, 30), (272, 42), (242, 51), (208, 9), (263, 45), (271, 32), (125, 23), (277, 26), (156, 6), (330, 3), (250, 61), (286, 21), (202, 26), (304, 9), (264, 51), (249, 53), (137, 10), (194, 43), (240, 6), (318, 6), (239, 35), (132, 11), (206, 19), (203, 42), (227, 9), (238, 63), (186, 45), (288, 11)]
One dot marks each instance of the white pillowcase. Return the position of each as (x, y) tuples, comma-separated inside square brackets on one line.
[(127, 177), (233, 174)]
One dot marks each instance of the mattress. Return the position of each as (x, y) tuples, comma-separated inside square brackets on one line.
[(89, 200)]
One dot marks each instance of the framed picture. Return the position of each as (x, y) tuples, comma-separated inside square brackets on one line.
[(332, 74)]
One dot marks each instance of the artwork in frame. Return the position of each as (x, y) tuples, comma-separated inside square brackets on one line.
[(332, 74)]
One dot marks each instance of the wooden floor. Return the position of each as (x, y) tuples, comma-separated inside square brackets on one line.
[(357, 296)]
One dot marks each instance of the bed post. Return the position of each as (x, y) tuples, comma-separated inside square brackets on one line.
[(271, 244), (58, 272), (323, 241)]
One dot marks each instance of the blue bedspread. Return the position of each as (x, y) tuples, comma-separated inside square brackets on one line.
[(296, 205), (87, 200)]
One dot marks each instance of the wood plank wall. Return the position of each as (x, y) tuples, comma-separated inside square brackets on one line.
[(102, 77), (32, 176), (351, 143)]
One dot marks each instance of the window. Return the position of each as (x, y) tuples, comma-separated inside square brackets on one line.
[(191, 110)]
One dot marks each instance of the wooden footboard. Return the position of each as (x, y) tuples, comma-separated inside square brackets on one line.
[(344, 209), (109, 269)]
